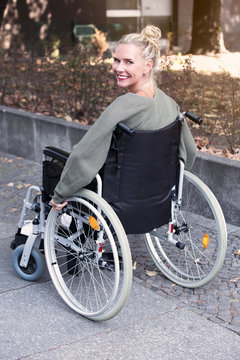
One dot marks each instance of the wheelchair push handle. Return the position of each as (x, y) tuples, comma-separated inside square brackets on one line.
[(193, 117), (125, 129)]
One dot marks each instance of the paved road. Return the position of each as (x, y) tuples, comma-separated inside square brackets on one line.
[(160, 320)]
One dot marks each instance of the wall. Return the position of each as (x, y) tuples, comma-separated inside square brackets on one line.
[(222, 176), (26, 134)]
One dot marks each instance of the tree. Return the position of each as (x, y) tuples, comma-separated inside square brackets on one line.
[(207, 35), (3, 5), (39, 25)]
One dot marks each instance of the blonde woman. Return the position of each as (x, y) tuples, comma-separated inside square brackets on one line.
[(143, 107)]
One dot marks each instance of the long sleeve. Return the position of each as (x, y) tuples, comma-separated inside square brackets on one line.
[(89, 155), (187, 147)]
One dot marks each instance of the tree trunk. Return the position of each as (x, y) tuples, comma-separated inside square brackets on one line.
[(3, 5), (207, 36)]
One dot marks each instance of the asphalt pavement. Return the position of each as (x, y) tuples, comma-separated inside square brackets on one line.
[(159, 321)]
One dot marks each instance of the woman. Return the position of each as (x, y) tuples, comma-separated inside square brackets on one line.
[(143, 107)]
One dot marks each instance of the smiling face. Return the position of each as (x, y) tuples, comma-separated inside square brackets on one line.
[(130, 68)]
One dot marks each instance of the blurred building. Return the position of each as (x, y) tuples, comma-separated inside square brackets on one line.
[(174, 17), (27, 21)]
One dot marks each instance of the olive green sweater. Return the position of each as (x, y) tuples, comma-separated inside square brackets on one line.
[(138, 112)]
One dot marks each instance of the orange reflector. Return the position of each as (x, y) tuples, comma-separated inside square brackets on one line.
[(93, 223), (205, 240)]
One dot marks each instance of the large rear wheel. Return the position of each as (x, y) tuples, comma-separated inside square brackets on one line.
[(88, 256), (200, 233)]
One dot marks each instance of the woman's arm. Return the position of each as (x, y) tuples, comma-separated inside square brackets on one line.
[(89, 155), (187, 147)]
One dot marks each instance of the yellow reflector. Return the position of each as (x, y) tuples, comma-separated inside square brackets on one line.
[(93, 223), (205, 240)]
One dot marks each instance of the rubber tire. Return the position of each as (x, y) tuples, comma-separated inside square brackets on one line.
[(39, 262)]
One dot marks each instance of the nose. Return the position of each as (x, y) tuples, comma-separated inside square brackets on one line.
[(118, 66)]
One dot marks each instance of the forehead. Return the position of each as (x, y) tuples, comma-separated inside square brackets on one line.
[(128, 51)]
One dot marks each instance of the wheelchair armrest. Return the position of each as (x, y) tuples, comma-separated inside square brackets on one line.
[(56, 153)]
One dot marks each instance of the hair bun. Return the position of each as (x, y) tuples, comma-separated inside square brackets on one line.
[(153, 34)]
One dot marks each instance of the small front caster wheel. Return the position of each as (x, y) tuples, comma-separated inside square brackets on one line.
[(36, 264)]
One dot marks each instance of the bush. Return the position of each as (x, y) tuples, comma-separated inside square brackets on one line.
[(78, 86), (75, 86), (215, 98)]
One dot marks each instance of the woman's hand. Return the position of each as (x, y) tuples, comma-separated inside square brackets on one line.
[(58, 207)]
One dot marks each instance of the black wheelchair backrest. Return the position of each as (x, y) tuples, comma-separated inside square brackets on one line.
[(139, 174)]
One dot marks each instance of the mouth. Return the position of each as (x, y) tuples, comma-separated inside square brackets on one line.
[(122, 77)]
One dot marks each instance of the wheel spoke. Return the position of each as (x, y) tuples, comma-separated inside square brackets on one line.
[(88, 256), (199, 214)]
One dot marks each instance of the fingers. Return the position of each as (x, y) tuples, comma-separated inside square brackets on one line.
[(58, 207)]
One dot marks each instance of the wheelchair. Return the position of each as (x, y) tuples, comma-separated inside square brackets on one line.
[(85, 245)]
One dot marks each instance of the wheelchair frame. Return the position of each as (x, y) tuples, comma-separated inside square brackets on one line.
[(173, 247), (37, 236)]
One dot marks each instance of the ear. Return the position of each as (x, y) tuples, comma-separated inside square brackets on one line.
[(148, 66)]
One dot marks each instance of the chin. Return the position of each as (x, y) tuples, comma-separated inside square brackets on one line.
[(119, 84)]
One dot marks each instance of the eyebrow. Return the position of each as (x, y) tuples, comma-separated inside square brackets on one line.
[(115, 58)]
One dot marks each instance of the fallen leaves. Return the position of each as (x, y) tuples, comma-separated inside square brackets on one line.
[(237, 252), (19, 186), (201, 142), (6, 160), (203, 146), (151, 273), (68, 118), (134, 267), (13, 210)]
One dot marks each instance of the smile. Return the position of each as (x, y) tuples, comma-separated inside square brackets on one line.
[(122, 77)]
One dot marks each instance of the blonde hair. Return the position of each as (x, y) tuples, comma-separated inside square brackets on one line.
[(148, 40)]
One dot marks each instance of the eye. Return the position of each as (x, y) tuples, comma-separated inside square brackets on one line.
[(116, 60), (129, 62)]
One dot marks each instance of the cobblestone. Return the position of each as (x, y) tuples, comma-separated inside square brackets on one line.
[(219, 301)]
